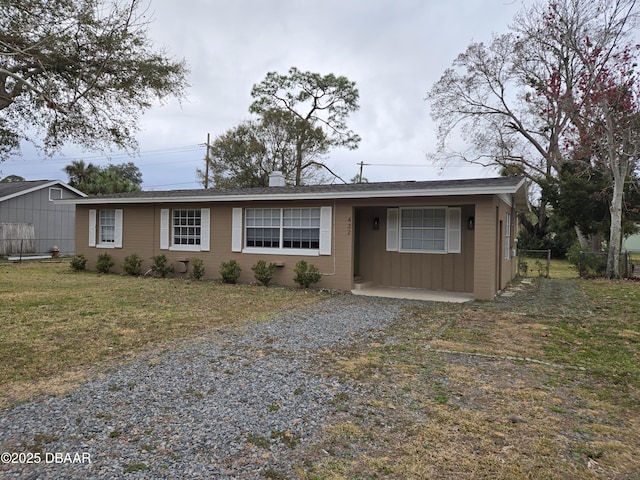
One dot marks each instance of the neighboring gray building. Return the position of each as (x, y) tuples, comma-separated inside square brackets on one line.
[(30, 221), (632, 243)]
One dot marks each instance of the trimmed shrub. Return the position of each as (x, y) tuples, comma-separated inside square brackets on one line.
[(264, 273), (306, 275), (104, 263), (132, 264), (197, 269), (161, 266), (78, 263), (230, 271)]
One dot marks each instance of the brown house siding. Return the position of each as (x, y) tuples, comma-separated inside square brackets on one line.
[(452, 272), (492, 270), (474, 270), (485, 235), (141, 235)]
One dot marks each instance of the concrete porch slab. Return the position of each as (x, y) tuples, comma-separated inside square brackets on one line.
[(414, 294)]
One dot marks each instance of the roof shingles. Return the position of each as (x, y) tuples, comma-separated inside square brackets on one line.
[(485, 184)]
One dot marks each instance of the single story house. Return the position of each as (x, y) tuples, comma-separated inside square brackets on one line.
[(449, 235), (30, 220)]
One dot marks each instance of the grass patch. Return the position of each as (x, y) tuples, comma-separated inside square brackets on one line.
[(562, 269), (259, 441), (136, 467), (490, 390), (606, 342), (55, 321)]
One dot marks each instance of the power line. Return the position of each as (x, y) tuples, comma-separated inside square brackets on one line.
[(142, 154), (418, 165)]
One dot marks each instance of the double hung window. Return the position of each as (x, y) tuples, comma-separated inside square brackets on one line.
[(282, 231), (507, 237), (187, 227), (424, 230), (263, 227), (278, 228), (184, 229), (105, 228)]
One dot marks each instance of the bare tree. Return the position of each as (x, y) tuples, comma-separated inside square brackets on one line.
[(519, 100)]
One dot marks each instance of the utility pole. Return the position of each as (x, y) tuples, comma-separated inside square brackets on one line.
[(206, 167), (362, 164)]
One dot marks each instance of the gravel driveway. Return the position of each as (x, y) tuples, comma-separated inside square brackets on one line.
[(224, 405)]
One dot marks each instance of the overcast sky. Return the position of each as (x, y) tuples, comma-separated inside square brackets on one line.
[(394, 50)]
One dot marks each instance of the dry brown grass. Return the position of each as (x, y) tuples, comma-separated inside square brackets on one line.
[(56, 322), (440, 400)]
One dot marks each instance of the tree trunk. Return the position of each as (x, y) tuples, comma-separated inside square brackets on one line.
[(582, 239), (615, 209)]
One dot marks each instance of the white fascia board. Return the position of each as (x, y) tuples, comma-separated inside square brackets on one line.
[(74, 190), (40, 187), (453, 191)]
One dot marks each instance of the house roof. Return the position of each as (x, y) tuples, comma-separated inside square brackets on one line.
[(488, 186), (15, 189)]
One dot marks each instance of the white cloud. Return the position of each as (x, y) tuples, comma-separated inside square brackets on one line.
[(393, 49)]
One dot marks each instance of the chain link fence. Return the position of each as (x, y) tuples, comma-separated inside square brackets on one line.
[(594, 264), (534, 263), (537, 263)]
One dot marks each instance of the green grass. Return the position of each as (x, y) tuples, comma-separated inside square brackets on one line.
[(606, 342), (55, 320), (562, 269)]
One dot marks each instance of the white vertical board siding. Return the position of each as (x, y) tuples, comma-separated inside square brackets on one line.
[(236, 230), (164, 229), (92, 227), (393, 229), (117, 241), (325, 231), (205, 228), (454, 232)]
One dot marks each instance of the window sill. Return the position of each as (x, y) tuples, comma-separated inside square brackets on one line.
[(105, 245), (303, 252), (185, 248), (429, 252)]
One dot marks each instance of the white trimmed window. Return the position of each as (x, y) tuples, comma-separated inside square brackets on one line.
[(283, 228), (294, 231), (424, 229), (187, 227), (105, 228), (184, 229), (263, 227), (55, 194), (507, 237)]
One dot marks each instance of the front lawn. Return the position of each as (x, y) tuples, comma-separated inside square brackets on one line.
[(544, 384), (55, 320), (541, 384)]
